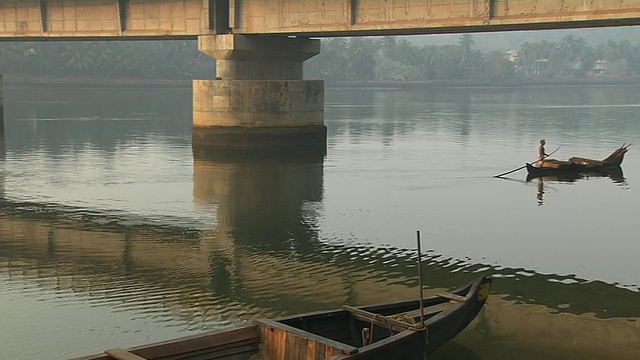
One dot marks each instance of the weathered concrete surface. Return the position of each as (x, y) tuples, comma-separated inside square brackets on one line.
[(258, 102), (395, 17), (103, 18), (305, 138), (241, 57), (259, 97), (258, 113), (36, 19)]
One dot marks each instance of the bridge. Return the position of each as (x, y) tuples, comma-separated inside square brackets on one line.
[(259, 96)]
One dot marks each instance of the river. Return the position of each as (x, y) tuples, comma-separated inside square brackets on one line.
[(114, 232)]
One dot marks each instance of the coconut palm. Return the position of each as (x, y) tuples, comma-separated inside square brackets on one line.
[(78, 58), (361, 60), (388, 46), (465, 43)]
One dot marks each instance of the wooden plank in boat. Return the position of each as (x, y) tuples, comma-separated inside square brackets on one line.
[(122, 354), (378, 319), (451, 296), (433, 309)]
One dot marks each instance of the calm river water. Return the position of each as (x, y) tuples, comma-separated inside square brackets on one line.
[(115, 233)]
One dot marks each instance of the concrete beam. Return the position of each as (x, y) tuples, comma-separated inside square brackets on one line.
[(406, 17), (104, 19), (241, 57), (147, 19)]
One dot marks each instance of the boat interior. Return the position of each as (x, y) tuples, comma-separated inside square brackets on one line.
[(327, 334), (351, 330), (615, 159)]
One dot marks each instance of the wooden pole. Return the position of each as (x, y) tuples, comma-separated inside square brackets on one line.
[(420, 280), (1, 107)]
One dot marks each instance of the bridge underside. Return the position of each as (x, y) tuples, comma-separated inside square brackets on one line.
[(143, 19), (412, 17)]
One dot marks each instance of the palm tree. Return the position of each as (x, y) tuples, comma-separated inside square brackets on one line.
[(571, 50), (465, 43), (117, 58), (78, 58), (388, 46), (431, 56), (11, 56), (361, 60)]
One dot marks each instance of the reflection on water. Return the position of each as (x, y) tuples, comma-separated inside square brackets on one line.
[(616, 175), (280, 187), (131, 236), (206, 279)]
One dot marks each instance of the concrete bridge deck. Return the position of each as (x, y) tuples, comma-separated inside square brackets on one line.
[(139, 19)]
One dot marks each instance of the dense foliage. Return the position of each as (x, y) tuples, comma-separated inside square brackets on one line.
[(358, 58), (109, 59), (388, 58)]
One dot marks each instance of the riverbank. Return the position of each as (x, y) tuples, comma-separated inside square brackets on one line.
[(16, 81), (480, 83)]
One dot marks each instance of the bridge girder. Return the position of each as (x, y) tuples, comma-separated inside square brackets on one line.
[(25, 20)]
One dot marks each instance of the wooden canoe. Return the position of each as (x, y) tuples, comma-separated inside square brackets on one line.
[(579, 165), (385, 331), (615, 174)]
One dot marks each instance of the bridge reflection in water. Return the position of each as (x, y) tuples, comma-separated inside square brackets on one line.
[(240, 268)]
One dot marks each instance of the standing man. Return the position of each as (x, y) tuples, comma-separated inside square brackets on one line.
[(541, 153)]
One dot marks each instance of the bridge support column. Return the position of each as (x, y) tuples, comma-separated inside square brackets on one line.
[(258, 97)]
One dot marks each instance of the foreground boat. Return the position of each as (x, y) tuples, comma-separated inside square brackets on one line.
[(577, 165), (385, 331)]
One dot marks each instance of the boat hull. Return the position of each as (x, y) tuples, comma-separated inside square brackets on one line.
[(578, 165), (395, 332), (572, 170)]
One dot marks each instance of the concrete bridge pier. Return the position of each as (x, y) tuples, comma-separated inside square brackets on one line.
[(258, 98)]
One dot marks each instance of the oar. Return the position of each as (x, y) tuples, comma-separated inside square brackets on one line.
[(522, 167), (420, 280)]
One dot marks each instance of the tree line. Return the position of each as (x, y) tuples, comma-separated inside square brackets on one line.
[(358, 58), (389, 58), (106, 59)]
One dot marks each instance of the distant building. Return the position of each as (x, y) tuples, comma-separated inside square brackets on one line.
[(512, 55), (539, 66), (600, 67)]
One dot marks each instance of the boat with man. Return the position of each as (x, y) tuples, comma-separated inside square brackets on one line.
[(578, 165)]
